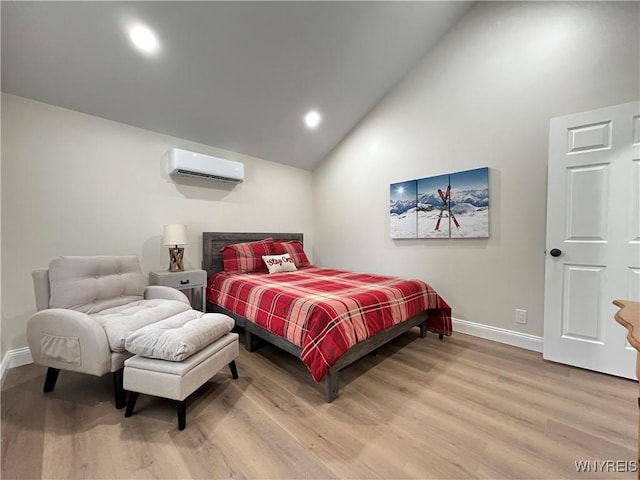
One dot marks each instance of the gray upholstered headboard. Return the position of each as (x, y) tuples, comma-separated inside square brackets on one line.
[(212, 243)]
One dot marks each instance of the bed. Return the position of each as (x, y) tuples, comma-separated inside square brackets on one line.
[(327, 318)]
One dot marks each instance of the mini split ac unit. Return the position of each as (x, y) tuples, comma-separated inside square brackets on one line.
[(183, 162)]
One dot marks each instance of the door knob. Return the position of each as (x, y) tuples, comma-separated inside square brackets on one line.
[(555, 252)]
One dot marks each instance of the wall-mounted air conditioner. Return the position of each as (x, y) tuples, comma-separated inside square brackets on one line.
[(183, 162)]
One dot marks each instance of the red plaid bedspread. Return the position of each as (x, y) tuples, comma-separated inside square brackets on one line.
[(326, 311)]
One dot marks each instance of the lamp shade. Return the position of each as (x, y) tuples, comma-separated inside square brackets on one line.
[(175, 234)]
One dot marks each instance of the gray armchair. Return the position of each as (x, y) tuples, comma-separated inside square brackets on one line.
[(87, 307)]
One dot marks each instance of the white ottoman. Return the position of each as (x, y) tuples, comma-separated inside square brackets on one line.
[(176, 356)]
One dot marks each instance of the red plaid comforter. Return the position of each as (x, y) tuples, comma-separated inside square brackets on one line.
[(326, 311)]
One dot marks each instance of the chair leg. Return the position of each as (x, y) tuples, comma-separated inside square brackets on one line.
[(131, 403), (118, 388), (50, 379), (234, 370), (182, 414)]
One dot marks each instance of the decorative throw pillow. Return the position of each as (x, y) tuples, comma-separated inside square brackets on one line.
[(246, 257), (279, 263), (294, 249)]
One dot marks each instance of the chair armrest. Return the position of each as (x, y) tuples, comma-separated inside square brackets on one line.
[(165, 293), (41, 288), (69, 340)]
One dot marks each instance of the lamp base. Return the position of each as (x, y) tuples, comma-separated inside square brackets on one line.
[(176, 256)]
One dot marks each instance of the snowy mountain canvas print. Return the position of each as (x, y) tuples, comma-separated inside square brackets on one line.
[(454, 205), (469, 204), (433, 212), (403, 219)]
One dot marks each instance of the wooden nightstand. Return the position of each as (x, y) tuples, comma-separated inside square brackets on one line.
[(188, 280)]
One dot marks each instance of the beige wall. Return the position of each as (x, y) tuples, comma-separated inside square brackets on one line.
[(77, 184), (74, 184), (482, 97), (2, 344)]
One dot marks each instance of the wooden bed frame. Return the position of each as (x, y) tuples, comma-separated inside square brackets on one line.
[(212, 243)]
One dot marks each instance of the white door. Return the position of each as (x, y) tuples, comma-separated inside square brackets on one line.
[(593, 237)]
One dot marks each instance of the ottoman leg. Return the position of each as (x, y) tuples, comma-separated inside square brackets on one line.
[(182, 414), (118, 389), (131, 403), (234, 370)]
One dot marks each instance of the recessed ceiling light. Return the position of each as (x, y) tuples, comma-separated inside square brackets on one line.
[(312, 119), (144, 39)]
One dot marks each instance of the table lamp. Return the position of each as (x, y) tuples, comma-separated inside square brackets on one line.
[(175, 235)]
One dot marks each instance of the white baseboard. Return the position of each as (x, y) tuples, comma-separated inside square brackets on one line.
[(22, 356), (14, 358), (501, 335)]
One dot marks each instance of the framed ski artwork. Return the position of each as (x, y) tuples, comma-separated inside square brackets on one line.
[(469, 203), (403, 218), (454, 205), (433, 212)]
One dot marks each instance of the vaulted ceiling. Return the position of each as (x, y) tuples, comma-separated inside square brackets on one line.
[(235, 75)]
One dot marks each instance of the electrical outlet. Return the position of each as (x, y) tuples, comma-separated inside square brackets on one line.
[(521, 316)]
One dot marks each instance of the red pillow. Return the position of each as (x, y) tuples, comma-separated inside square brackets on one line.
[(295, 251), (246, 257)]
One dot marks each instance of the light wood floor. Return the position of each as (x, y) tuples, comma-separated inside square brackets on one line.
[(422, 408)]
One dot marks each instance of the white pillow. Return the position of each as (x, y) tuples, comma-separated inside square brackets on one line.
[(279, 263)]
